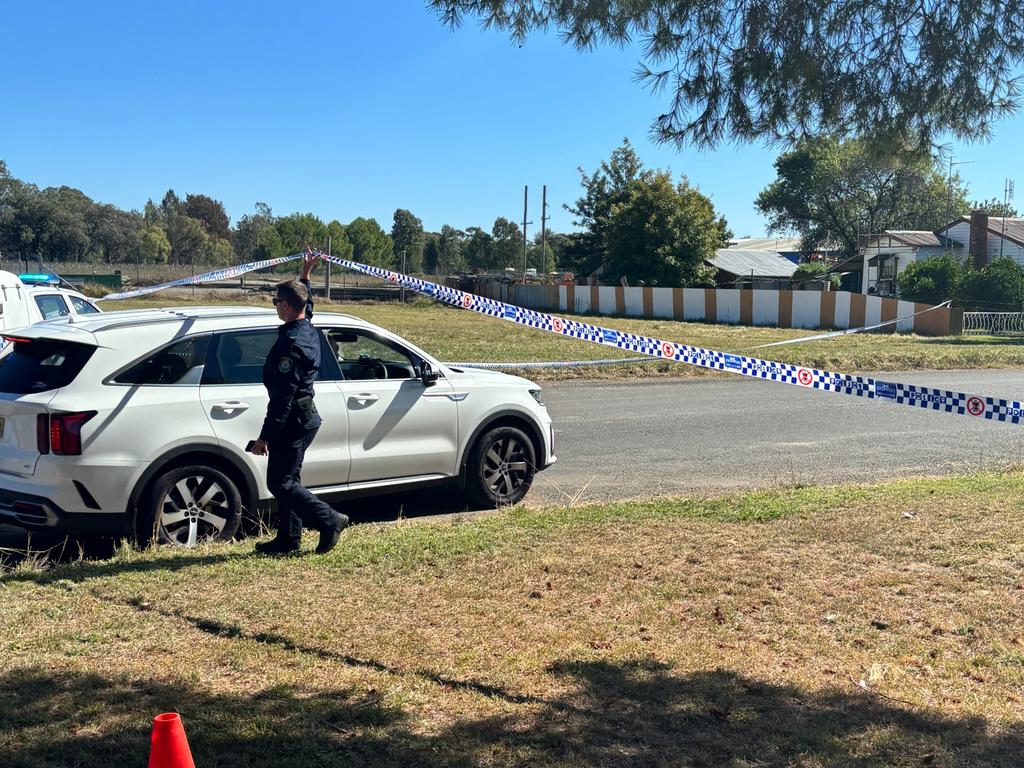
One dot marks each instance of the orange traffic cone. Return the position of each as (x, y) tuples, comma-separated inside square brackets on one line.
[(168, 747)]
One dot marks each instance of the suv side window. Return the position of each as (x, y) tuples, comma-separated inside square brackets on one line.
[(51, 305), (237, 358), (82, 306), (180, 363), (364, 356)]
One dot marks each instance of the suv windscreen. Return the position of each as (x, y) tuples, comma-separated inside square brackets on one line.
[(180, 363), (42, 364), (82, 306)]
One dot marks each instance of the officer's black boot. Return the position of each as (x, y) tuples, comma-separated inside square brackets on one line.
[(277, 546), (329, 536)]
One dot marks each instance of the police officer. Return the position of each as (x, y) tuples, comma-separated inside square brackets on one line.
[(292, 421)]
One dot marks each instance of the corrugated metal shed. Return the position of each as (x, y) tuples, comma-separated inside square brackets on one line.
[(756, 263)]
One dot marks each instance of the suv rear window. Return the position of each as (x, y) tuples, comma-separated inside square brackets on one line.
[(41, 365), (180, 363)]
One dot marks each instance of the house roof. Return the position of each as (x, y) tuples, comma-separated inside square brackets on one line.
[(774, 244), (1014, 227), (757, 263), (910, 237)]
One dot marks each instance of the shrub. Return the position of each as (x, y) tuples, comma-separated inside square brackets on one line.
[(815, 270), (932, 280), (996, 287)]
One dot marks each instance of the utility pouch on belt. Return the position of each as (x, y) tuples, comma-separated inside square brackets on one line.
[(307, 409)]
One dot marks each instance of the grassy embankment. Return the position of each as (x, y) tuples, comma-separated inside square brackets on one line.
[(460, 336), (852, 626)]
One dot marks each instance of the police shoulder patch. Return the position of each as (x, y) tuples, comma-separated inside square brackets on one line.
[(285, 365)]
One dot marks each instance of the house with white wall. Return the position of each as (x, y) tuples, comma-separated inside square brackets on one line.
[(886, 255), (979, 236), (993, 237)]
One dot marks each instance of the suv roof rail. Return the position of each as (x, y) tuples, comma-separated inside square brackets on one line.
[(172, 314)]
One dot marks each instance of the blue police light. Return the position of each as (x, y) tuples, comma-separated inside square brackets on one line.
[(37, 279)]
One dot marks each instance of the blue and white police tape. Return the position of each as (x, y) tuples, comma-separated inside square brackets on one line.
[(555, 364), (207, 277), (847, 331), (940, 400)]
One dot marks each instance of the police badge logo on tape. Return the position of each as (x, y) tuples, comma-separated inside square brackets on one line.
[(285, 365)]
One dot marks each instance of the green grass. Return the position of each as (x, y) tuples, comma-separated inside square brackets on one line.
[(848, 626), (458, 336)]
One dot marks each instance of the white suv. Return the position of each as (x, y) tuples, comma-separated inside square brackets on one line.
[(135, 423), (27, 299)]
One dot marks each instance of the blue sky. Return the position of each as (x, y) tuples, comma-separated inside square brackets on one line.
[(347, 109)]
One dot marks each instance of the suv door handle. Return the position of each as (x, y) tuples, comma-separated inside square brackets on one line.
[(364, 398), (231, 406)]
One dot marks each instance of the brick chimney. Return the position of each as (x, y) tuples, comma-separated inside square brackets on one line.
[(978, 248)]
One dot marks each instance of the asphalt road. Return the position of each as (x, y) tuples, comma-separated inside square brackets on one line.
[(621, 440), (643, 438)]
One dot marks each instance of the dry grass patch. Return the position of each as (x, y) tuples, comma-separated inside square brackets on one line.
[(848, 626), (459, 336)]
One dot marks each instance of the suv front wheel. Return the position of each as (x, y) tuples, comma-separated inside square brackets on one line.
[(501, 467), (189, 505)]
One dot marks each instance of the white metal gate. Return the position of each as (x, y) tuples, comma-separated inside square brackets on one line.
[(994, 323)]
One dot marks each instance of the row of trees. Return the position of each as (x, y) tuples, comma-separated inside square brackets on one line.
[(62, 224), (635, 223)]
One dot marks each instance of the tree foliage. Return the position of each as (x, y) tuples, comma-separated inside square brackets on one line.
[(211, 213), (602, 190), (764, 69), (301, 230), (662, 233), (995, 207), (637, 223), (449, 256), (370, 244), (832, 191), (506, 244), (407, 238)]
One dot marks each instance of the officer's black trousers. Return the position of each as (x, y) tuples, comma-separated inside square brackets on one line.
[(295, 505)]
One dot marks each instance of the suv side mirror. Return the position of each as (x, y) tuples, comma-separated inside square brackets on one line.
[(428, 375)]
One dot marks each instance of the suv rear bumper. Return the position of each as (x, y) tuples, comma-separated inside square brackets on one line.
[(38, 513)]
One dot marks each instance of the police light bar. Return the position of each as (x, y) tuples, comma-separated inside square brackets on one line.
[(47, 279)]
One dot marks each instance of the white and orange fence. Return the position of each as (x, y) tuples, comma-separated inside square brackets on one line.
[(783, 309)]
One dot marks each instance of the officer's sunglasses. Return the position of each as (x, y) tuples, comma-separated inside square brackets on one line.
[(277, 301)]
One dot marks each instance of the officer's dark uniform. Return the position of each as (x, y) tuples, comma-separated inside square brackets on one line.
[(291, 424)]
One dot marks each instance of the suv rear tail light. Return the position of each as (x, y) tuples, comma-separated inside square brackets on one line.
[(61, 433)]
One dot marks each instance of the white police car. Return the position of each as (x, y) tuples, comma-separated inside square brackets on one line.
[(32, 298), (136, 422)]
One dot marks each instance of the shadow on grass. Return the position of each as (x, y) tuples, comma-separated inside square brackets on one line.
[(973, 341), (639, 714), (90, 558)]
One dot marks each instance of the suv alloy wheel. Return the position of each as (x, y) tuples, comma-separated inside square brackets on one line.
[(189, 505), (501, 467)]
